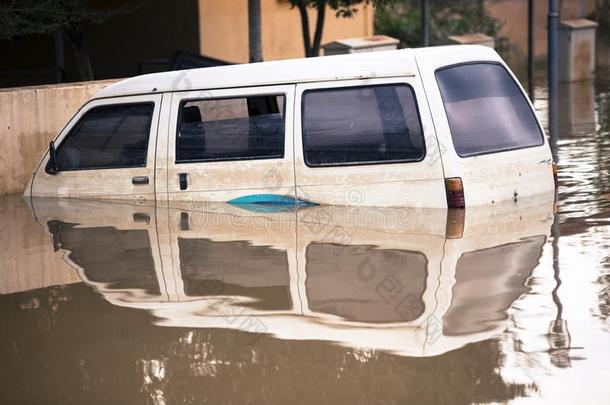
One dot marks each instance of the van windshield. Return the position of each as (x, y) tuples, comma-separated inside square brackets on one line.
[(486, 110)]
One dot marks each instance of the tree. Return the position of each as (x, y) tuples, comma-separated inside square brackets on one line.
[(342, 8), (25, 17), (254, 31)]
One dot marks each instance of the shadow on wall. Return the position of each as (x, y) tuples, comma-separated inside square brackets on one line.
[(156, 29)]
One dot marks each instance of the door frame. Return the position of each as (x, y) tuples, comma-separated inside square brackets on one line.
[(412, 184), (102, 183), (228, 180)]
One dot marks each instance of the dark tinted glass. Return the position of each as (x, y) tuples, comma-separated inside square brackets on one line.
[(231, 129), (109, 136), (366, 124), (487, 111)]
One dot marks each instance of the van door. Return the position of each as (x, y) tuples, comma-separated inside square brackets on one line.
[(486, 127), (232, 145), (106, 151), (367, 142)]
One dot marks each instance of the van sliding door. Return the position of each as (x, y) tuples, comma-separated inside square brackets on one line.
[(231, 145), (367, 142)]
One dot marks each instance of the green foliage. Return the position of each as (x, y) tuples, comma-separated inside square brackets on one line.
[(25, 17), (343, 8), (447, 17), (401, 22)]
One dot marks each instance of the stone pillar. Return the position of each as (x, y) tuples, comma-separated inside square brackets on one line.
[(473, 39), (577, 50)]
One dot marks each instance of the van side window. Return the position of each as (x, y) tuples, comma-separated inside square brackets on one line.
[(106, 137), (487, 111), (360, 125), (231, 129)]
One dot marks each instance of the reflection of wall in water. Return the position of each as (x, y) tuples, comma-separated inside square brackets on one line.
[(27, 261)]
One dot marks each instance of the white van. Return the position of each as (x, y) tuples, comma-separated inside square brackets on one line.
[(431, 127)]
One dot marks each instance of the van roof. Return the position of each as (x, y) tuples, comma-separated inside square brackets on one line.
[(341, 67)]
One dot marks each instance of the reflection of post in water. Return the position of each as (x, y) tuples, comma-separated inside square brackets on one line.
[(553, 71), (530, 49), (558, 336)]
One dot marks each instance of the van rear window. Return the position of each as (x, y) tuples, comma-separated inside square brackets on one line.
[(486, 110), (361, 125)]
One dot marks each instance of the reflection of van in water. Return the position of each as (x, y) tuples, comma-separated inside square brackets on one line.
[(417, 282), (434, 127)]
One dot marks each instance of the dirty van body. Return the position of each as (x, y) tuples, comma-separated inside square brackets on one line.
[(433, 127)]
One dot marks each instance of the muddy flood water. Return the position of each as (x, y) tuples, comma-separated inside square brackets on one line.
[(111, 303)]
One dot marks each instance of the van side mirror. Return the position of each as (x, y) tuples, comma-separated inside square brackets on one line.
[(52, 165)]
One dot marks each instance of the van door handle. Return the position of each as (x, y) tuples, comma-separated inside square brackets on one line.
[(139, 180), (183, 181)]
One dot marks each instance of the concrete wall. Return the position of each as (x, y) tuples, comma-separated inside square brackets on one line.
[(29, 118), (223, 29)]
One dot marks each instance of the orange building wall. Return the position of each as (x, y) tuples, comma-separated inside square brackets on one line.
[(513, 15), (223, 29)]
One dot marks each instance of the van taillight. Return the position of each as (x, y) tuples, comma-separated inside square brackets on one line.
[(455, 192), (555, 174)]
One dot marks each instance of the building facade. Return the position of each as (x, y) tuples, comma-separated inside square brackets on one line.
[(146, 39), (223, 29)]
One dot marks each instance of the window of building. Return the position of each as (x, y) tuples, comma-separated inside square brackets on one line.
[(109, 136), (231, 129), (360, 125), (486, 110)]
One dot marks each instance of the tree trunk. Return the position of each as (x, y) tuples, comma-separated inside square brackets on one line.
[(81, 54), (305, 27), (317, 37), (254, 31), (312, 49)]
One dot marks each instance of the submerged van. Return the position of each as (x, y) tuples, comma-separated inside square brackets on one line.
[(432, 127)]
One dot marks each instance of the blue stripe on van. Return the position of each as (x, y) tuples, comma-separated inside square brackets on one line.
[(270, 199), (267, 208)]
